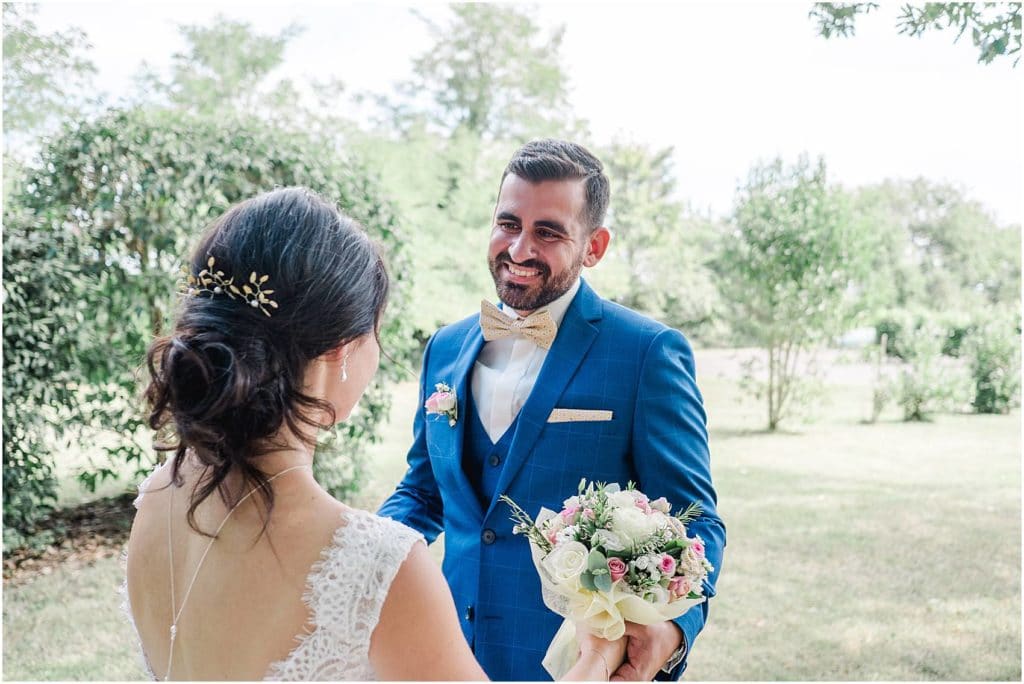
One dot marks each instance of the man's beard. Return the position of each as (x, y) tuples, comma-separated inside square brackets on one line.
[(522, 298)]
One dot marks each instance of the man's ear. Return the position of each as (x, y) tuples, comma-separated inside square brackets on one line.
[(597, 244)]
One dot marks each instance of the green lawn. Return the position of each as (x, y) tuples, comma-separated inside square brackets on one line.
[(868, 552)]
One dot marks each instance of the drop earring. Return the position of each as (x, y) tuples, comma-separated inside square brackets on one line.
[(344, 369)]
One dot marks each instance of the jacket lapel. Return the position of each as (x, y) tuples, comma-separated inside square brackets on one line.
[(461, 367), (575, 336)]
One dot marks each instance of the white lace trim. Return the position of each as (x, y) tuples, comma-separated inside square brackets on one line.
[(345, 591)]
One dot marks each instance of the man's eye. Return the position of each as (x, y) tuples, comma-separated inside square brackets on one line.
[(508, 227), (548, 235)]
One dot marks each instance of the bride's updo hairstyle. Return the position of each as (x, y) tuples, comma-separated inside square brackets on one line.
[(230, 376)]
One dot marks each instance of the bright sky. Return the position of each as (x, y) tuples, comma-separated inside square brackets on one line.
[(726, 84)]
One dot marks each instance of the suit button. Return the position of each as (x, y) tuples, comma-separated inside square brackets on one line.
[(495, 459), (488, 536), (469, 613)]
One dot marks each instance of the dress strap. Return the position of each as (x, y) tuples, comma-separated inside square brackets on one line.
[(192, 582)]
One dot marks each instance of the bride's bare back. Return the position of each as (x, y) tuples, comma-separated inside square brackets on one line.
[(245, 609), (327, 593)]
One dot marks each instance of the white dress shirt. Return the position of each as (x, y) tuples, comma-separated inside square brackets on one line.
[(506, 371)]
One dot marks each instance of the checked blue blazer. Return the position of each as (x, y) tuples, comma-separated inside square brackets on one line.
[(604, 357)]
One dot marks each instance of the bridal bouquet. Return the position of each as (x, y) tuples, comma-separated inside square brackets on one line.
[(612, 555)]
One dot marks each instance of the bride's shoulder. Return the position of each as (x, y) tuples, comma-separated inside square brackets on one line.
[(359, 529)]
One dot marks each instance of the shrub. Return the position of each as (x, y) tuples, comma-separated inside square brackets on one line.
[(94, 236), (928, 383), (993, 350)]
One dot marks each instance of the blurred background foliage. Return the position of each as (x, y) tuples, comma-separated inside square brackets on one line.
[(102, 210)]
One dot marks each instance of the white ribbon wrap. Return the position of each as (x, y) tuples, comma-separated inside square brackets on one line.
[(604, 613)]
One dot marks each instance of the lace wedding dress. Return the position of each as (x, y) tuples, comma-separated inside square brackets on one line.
[(345, 591)]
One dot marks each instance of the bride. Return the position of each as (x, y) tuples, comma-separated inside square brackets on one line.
[(240, 566)]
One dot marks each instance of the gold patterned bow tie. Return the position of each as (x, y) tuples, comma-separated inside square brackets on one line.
[(539, 327)]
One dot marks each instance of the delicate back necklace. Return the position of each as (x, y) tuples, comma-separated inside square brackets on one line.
[(170, 549)]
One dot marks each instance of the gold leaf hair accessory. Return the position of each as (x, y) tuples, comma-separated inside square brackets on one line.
[(212, 282)]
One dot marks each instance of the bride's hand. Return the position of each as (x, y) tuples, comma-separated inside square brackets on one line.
[(612, 652)]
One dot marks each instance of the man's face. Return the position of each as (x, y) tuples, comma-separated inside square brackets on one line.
[(539, 242)]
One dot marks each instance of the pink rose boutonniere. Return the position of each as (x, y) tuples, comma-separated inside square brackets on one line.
[(443, 403)]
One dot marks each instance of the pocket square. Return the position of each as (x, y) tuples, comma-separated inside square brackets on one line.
[(561, 415)]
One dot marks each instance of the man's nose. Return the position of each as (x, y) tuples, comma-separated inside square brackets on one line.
[(521, 248)]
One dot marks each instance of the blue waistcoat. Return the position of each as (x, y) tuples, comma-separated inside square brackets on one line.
[(482, 459)]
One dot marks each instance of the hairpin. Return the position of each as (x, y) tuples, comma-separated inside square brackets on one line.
[(213, 283)]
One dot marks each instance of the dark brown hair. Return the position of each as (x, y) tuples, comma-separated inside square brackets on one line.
[(229, 377), (549, 159)]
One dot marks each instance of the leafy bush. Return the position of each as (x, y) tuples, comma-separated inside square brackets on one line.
[(928, 383), (953, 326), (43, 295), (94, 236), (956, 326), (994, 353)]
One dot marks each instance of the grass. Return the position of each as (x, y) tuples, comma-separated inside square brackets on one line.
[(868, 552), (69, 626)]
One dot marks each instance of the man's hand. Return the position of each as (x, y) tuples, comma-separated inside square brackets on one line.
[(647, 649)]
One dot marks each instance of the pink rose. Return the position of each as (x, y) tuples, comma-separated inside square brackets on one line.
[(569, 512), (661, 504), (617, 568), (643, 505), (588, 514), (698, 546), (667, 565), (439, 402), (679, 586)]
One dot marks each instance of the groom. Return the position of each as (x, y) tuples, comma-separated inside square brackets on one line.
[(556, 385)]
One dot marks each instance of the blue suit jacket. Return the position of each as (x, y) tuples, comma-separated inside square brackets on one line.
[(604, 357)]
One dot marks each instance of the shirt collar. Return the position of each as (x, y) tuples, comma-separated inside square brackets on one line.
[(556, 308)]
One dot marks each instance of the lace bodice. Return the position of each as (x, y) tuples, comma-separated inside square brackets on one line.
[(345, 591)]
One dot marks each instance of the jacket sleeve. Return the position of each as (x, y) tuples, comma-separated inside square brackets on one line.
[(416, 501), (671, 457)]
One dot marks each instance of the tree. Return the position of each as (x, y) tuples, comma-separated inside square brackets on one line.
[(937, 248), (995, 26), (93, 241), (225, 67), (448, 196), (786, 268), (46, 76), (491, 71), (662, 246)]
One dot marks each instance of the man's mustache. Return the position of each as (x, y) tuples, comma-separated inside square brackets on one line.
[(504, 257)]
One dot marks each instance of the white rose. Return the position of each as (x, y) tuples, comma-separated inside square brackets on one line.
[(608, 540), (566, 534), (623, 499), (571, 502), (660, 519), (567, 561), (661, 504), (633, 525), (658, 595)]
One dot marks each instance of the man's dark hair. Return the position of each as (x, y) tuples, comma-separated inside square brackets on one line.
[(555, 160)]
